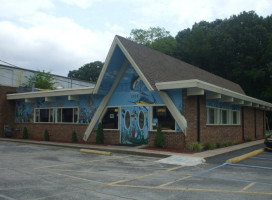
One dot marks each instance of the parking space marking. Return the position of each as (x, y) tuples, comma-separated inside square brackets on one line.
[(169, 183), (210, 169), (73, 177), (83, 162), (172, 169), (248, 186), (193, 189), (260, 158), (250, 166)]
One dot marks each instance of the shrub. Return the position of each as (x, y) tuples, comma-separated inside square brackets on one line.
[(25, 133), (226, 144), (46, 135), (209, 146), (99, 139), (249, 139), (218, 145), (195, 147), (159, 140), (74, 137)]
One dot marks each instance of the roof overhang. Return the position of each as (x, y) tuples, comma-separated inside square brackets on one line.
[(51, 93), (241, 99)]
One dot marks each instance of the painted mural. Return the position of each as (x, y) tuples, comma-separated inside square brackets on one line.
[(134, 125), (87, 104)]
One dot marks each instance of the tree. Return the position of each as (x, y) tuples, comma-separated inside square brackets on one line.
[(159, 140), (88, 72), (99, 139), (43, 80), (156, 38)]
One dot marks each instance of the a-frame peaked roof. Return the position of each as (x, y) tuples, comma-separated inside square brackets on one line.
[(158, 67)]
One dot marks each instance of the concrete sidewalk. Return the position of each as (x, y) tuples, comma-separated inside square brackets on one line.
[(137, 150)]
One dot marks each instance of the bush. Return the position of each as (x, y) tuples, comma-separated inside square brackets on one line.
[(99, 139), (226, 144), (46, 135), (159, 140), (209, 146), (74, 137), (25, 133), (195, 147), (249, 139), (218, 145)]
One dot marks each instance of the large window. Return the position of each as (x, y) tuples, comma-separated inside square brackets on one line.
[(110, 119), (219, 116), (44, 115), (162, 117), (67, 115)]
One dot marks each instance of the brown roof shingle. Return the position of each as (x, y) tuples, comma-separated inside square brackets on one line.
[(158, 67)]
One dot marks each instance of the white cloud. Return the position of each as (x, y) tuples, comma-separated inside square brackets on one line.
[(80, 3)]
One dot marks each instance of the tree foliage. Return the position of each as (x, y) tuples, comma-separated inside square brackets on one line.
[(42, 79), (238, 49), (159, 140), (88, 72), (99, 138), (156, 38)]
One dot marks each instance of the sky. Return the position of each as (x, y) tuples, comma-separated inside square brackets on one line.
[(62, 35)]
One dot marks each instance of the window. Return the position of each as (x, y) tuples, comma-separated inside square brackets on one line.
[(235, 117), (211, 116), (219, 116), (67, 115), (162, 116), (141, 119), (224, 117), (110, 119), (44, 115), (127, 120)]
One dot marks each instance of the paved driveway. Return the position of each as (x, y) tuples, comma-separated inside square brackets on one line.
[(43, 172)]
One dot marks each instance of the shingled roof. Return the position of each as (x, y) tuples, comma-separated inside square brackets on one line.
[(158, 67)]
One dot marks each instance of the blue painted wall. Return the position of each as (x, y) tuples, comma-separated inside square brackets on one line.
[(217, 104), (87, 105)]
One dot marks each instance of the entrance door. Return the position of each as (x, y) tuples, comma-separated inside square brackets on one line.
[(134, 125)]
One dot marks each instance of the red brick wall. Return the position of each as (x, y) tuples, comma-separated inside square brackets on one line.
[(62, 132), (216, 133), (172, 139), (7, 111)]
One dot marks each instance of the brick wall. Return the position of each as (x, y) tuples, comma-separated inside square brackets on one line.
[(62, 132), (216, 133), (172, 139), (7, 111)]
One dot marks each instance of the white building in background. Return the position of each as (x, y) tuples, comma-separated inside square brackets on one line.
[(15, 77)]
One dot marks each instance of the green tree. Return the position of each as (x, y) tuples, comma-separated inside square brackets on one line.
[(25, 133), (99, 139), (88, 72), (74, 137), (46, 136), (156, 38), (159, 140), (43, 80)]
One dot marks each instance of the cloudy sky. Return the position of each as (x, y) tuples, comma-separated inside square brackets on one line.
[(62, 35)]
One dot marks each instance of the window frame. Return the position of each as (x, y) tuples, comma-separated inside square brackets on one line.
[(219, 117), (139, 120), (127, 128), (117, 107), (57, 115), (51, 110), (152, 117)]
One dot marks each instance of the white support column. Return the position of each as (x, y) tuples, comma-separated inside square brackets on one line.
[(73, 98), (32, 100), (104, 102), (195, 91), (50, 99), (213, 96), (180, 119), (225, 99)]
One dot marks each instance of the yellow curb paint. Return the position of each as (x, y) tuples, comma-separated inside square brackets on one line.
[(245, 156), (106, 153)]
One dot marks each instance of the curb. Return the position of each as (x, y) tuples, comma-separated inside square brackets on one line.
[(106, 153), (245, 156)]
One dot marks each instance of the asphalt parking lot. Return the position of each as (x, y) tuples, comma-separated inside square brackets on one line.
[(46, 172)]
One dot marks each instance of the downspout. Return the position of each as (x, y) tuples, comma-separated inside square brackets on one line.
[(243, 125), (198, 118), (255, 118)]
